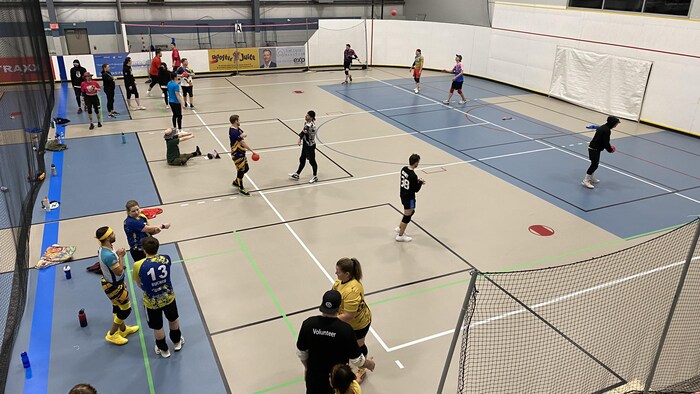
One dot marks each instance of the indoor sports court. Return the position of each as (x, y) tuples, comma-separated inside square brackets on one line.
[(502, 196)]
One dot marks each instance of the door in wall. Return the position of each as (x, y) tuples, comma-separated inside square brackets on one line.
[(77, 41)]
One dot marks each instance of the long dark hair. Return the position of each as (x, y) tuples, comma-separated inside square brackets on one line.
[(342, 377), (352, 266), (126, 61)]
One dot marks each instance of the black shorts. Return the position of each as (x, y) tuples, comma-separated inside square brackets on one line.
[(408, 203), (186, 90), (155, 316), (362, 332), (92, 102), (347, 64), (457, 85), (131, 90)]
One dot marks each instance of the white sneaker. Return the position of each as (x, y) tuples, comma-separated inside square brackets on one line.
[(416, 90), (594, 180), (162, 353), (462, 101), (148, 93), (403, 238), (162, 95), (313, 179), (586, 183), (445, 101), (141, 107), (294, 176), (183, 133), (178, 345)]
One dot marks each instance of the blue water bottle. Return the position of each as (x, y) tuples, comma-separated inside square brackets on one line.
[(123, 139), (66, 270), (25, 360), (592, 127)]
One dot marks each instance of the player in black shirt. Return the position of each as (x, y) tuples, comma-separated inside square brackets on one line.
[(600, 141), (325, 341), (130, 85), (410, 185), (76, 78), (348, 56)]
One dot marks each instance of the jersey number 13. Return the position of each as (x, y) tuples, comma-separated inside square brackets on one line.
[(163, 272)]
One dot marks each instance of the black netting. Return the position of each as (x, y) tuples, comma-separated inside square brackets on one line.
[(587, 327), (26, 100)]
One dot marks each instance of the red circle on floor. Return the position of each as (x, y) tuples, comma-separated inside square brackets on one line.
[(298, 91), (541, 230)]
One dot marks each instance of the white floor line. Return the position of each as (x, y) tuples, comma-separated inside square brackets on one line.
[(291, 230), (398, 363), (549, 145), (543, 304), (394, 173), (297, 82)]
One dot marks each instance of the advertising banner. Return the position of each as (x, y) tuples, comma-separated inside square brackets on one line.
[(19, 69), (289, 56), (115, 61), (232, 59)]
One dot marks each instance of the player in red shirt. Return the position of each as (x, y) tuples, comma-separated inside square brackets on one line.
[(176, 56), (153, 70), (90, 89)]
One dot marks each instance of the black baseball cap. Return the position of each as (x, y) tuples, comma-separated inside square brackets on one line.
[(331, 302)]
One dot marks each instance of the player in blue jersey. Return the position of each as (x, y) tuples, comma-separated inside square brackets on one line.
[(457, 80)]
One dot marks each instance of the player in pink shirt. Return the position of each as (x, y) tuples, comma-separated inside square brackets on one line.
[(90, 89)]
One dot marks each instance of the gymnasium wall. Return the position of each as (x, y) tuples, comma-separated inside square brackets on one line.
[(470, 12)]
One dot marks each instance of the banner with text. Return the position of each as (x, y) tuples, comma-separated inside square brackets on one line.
[(232, 59)]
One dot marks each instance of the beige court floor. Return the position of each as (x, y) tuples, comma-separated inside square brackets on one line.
[(258, 265)]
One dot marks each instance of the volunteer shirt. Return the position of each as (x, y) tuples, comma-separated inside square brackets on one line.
[(353, 300), (329, 341), (108, 259), (154, 275), (133, 229), (173, 88)]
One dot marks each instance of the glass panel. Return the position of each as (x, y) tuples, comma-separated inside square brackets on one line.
[(668, 7), (597, 4), (624, 5)]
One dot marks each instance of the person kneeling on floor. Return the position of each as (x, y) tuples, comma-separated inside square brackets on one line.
[(172, 140)]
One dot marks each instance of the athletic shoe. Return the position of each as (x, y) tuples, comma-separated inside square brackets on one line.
[(116, 338), (186, 105), (360, 375), (116, 113), (141, 107), (234, 184), (445, 101), (462, 101), (403, 238), (80, 110), (594, 180), (586, 183), (210, 156), (342, 83), (350, 76), (415, 90), (313, 179), (148, 93), (99, 124), (112, 115), (92, 126), (163, 353), (294, 176), (178, 345), (167, 106), (243, 191), (162, 95), (183, 133), (191, 106), (128, 331)]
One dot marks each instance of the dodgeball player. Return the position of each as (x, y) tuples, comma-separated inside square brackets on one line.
[(238, 148), (410, 185), (417, 69)]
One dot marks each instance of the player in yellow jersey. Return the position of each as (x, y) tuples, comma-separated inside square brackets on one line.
[(344, 381), (417, 69), (353, 309)]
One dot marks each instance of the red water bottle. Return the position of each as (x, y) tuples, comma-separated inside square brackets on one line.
[(82, 318)]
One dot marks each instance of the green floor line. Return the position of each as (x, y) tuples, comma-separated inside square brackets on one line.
[(151, 387), (267, 286), (207, 255), (279, 386)]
